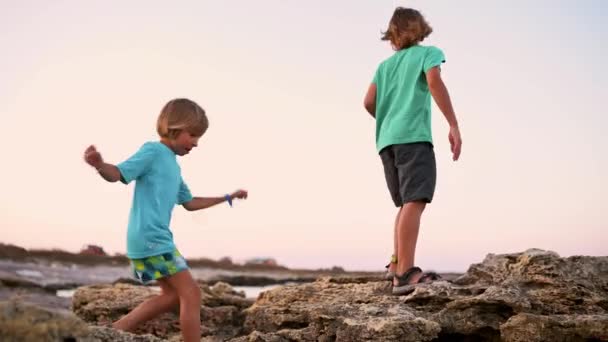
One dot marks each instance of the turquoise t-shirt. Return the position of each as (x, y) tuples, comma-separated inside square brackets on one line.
[(403, 100), (158, 188)]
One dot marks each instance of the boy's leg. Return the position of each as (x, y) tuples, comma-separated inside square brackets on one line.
[(408, 227), (150, 308), (391, 174), (189, 305), (392, 266), (417, 176)]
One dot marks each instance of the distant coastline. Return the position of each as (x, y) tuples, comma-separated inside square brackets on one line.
[(20, 254)]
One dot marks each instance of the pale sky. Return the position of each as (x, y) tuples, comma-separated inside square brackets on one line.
[(283, 82)]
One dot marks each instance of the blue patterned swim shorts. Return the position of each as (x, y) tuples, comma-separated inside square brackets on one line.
[(158, 266)]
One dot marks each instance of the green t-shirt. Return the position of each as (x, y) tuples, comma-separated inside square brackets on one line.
[(403, 100)]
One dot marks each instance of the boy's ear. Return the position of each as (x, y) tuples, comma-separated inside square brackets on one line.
[(173, 133)]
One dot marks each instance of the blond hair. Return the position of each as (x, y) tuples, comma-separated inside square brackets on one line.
[(179, 115), (406, 28)]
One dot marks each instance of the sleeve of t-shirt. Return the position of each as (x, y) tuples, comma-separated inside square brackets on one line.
[(376, 76), (184, 195), (138, 164), (434, 57)]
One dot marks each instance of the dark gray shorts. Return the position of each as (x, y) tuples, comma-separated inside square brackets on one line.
[(410, 172)]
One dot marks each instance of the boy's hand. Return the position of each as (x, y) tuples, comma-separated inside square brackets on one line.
[(93, 157), (455, 142), (241, 194)]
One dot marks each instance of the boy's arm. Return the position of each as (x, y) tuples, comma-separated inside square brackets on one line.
[(370, 100), (441, 96), (107, 171), (198, 203)]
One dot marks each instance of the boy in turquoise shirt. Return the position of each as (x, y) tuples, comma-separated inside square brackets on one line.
[(399, 98), (159, 186), (159, 189)]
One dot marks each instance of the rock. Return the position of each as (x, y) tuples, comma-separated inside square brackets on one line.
[(327, 310), (253, 280), (22, 322), (106, 334), (14, 281), (546, 283), (222, 294), (355, 280), (36, 297), (221, 309), (130, 281), (556, 328), (531, 296), (104, 304)]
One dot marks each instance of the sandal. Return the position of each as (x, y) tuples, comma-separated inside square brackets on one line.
[(390, 274), (403, 285), (429, 277)]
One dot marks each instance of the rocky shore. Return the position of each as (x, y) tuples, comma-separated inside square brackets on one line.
[(531, 296), (36, 276)]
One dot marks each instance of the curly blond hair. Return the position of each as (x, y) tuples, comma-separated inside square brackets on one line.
[(179, 115), (406, 28)]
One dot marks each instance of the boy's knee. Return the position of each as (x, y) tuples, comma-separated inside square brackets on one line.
[(172, 297), (418, 205), (191, 294)]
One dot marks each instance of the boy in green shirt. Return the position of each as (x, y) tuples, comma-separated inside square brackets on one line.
[(399, 98)]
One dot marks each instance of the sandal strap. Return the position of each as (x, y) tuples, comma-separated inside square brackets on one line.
[(432, 276), (392, 261), (404, 279)]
